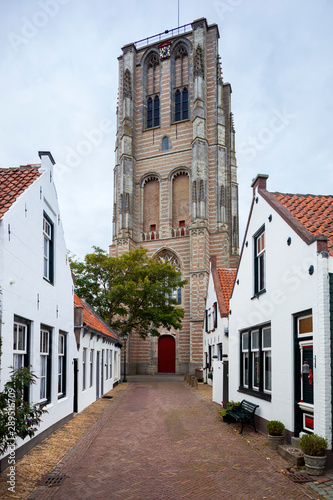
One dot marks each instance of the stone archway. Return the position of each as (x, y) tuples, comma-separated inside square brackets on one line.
[(166, 354)]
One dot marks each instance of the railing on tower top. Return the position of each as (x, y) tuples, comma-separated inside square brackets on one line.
[(163, 36)]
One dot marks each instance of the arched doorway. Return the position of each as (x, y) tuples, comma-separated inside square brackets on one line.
[(166, 354)]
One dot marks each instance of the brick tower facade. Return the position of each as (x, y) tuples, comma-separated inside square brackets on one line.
[(175, 178)]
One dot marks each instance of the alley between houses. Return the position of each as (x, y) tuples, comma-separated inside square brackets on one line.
[(161, 439)]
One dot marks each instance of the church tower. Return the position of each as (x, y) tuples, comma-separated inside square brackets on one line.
[(175, 178)]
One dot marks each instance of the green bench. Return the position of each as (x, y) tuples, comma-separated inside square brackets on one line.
[(244, 413)]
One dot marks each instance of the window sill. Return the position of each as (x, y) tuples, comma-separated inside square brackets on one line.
[(180, 121), (257, 294), (257, 394), (146, 129), (48, 281)]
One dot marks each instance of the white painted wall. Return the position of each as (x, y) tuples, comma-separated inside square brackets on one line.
[(96, 344), (289, 289), (212, 338), (26, 293)]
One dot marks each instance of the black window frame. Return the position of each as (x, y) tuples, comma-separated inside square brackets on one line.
[(63, 359), (259, 263), (250, 389), (50, 264)]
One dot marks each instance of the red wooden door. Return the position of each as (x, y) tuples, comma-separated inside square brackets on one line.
[(166, 354)]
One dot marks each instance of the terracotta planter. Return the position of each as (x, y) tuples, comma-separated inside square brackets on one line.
[(315, 466), (274, 441)]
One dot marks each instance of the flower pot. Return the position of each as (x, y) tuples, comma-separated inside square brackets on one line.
[(315, 466), (274, 441)]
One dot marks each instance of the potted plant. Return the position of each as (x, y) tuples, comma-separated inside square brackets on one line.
[(314, 449), (275, 433), (231, 405)]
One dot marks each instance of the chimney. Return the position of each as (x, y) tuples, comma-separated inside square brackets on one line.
[(259, 182)]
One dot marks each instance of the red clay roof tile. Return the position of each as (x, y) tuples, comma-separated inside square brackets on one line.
[(13, 182), (92, 319), (226, 278), (314, 212)]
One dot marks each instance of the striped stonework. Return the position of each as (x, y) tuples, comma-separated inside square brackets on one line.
[(175, 178)]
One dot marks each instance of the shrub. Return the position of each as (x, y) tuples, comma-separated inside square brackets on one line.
[(18, 418), (275, 428), (312, 444)]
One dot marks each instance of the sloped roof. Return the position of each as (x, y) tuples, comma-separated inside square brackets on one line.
[(314, 212), (13, 182), (93, 320), (223, 281)]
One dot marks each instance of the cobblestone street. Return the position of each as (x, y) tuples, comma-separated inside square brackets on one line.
[(161, 439)]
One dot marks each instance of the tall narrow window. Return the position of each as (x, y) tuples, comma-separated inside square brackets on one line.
[(106, 364), (62, 365), (245, 359), (259, 263), (149, 112), (84, 368), (255, 359), (91, 367), (267, 355), (110, 364), (19, 345), (152, 92), (48, 248), (45, 365), (180, 84)]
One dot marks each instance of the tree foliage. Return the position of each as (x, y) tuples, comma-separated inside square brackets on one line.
[(132, 292)]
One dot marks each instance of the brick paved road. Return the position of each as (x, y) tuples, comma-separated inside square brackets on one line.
[(162, 441)]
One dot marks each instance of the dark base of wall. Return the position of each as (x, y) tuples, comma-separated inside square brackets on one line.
[(22, 450)]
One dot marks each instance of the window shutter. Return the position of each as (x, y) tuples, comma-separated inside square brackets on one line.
[(206, 321)]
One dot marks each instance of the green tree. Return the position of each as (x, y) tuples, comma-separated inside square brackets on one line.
[(132, 292)]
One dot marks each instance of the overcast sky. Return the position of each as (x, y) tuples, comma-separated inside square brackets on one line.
[(59, 84)]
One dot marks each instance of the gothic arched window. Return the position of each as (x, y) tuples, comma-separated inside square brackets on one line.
[(180, 84), (152, 92), (168, 256)]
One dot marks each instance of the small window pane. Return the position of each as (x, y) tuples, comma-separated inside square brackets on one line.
[(305, 325), (268, 371), (245, 341), (156, 111), (266, 341), (255, 339)]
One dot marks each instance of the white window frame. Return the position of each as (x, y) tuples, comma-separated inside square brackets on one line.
[(19, 345), (44, 355), (260, 261), (265, 350), (255, 354), (245, 355), (61, 363), (106, 364), (47, 233), (84, 368), (91, 364)]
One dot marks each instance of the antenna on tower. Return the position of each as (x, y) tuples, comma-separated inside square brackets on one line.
[(178, 17)]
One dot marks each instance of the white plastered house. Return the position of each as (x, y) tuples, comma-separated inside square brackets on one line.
[(37, 325), (216, 330), (97, 369), (280, 324)]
